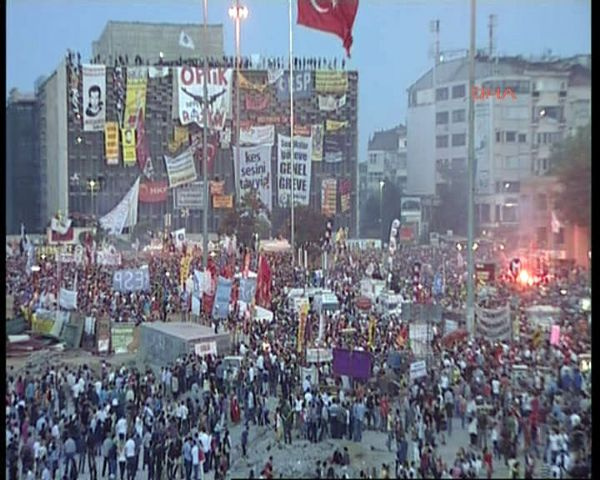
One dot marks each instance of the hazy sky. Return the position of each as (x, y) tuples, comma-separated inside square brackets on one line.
[(391, 37)]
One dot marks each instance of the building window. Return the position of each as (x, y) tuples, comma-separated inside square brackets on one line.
[(485, 212), (458, 116), (497, 213), (459, 139), (541, 202), (459, 163), (441, 94), (541, 237), (441, 141), (511, 163), (459, 91), (522, 138), (509, 213), (511, 137), (498, 137), (441, 118)]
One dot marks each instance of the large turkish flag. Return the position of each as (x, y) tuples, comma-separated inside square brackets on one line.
[(333, 16)]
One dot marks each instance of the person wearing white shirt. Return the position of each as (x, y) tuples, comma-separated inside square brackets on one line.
[(305, 384), (198, 470), (260, 363), (121, 427), (308, 398), (130, 457)]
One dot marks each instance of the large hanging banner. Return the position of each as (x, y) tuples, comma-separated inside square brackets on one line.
[(345, 189), (254, 135), (124, 214), (254, 172), (329, 103), (181, 169), (191, 95), (331, 82), (246, 84), (153, 192), (302, 86), (247, 289), (135, 99), (329, 197), (494, 324), (257, 102), (316, 133), (129, 150), (131, 280), (67, 299), (111, 143), (191, 196), (302, 170), (334, 125), (94, 97), (222, 297)]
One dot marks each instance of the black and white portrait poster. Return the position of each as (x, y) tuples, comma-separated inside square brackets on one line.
[(94, 98)]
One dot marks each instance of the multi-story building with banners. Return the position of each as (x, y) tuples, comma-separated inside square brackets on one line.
[(514, 134), (84, 175)]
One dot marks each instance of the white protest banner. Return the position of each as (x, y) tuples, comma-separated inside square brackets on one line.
[(125, 214), (195, 305), (319, 355), (254, 172), (181, 169), (494, 324), (190, 196), (302, 170), (328, 103), (94, 97), (190, 95), (132, 280), (206, 348), (67, 299), (258, 135), (418, 370), (108, 257)]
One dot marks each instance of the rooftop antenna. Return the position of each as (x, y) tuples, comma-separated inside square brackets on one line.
[(434, 28), (492, 56)]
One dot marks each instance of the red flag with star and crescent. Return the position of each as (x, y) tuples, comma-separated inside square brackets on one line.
[(333, 16)]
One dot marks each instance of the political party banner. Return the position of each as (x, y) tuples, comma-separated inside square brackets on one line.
[(129, 151), (181, 137), (222, 201), (247, 289), (131, 280), (494, 324), (302, 86), (334, 142), (67, 299), (329, 197), (190, 196), (222, 297), (254, 172), (345, 189), (334, 157), (316, 134), (329, 103), (125, 214), (302, 170), (258, 135), (257, 101), (111, 143), (135, 98), (217, 187), (246, 84), (335, 125), (319, 355), (353, 363), (418, 370), (94, 97), (327, 81), (205, 348), (181, 169), (190, 81), (153, 192)]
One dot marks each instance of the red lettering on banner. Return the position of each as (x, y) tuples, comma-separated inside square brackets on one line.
[(216, 76), (485, 93)]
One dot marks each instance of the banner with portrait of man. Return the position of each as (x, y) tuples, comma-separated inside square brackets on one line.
[(94, 97)]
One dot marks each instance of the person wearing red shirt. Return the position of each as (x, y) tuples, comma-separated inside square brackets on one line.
[(487, 461)]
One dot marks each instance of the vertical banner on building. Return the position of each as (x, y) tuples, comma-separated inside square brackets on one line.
[(302, 170), (345, 189), (111, 143), (129, 151), (190, 81), (329, 197), (316, 134), (94, 97), (135, 99), (181, 169), (254, 172)]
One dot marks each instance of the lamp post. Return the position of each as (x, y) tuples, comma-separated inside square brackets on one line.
[(93, 185), (381, 184)]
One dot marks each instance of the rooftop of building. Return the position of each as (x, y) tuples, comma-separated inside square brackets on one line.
[(387, 140), (16, 96)]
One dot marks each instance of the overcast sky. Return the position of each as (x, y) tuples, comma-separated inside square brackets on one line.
[(391, 37)]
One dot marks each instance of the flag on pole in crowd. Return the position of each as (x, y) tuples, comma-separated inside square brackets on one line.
[(332, 16), (263, 288), (186, 41), (556, 225)]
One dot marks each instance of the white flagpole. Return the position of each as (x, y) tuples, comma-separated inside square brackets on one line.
[(291, 85)]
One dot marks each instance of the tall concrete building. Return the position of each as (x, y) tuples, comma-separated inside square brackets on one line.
[(23, 174), (513, 135), (386, 159), (149, 40)]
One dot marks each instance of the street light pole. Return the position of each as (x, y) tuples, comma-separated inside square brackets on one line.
[(470, 168), (205, 142), (381, 184), (291, 85)]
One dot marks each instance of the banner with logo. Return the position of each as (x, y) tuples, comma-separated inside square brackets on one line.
[(345, 189), (331, 82), (181, 169), (302, 170), (258, 135), (94, 97), (67, 299), (125, 214), (190, 81), (131, 280), (222, 297), (257, 101), (153, 192), (334, 125), (181, 137), (329, 197), (111, 143), (222, 201), (316, 134), (329, 103), (254, 172), (191, 196), (302, 86), (135, 98), (129, 152)]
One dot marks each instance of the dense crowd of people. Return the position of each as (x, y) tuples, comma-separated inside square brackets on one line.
[(175, 421)]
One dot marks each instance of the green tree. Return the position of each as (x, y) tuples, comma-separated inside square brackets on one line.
[(571, 162), (246, 219)]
